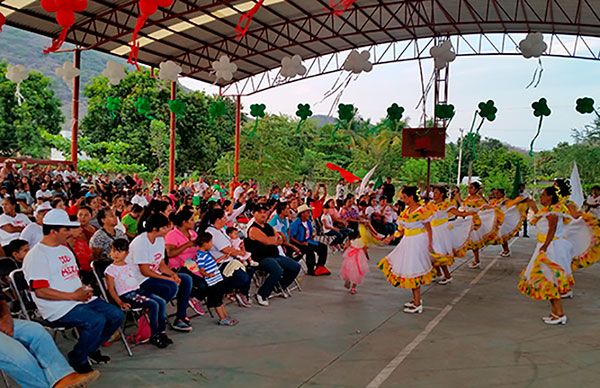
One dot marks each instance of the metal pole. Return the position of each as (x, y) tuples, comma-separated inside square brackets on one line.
[(460, 151), (75, 111), (172, 127), (428, 179), (238, 123)]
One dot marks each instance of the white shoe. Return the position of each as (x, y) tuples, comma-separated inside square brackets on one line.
[(505, 254), (444, 281), (261, 301), (474, 265), (567, 295), (411, 303), (556, 320), (414, 309)]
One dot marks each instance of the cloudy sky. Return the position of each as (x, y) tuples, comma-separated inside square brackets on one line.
[(472, 79)]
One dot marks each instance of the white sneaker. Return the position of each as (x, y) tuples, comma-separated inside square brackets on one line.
[(444, 281), (567, 295), (411, 303), (414, 309), (556, 320), (474, 265), (261, 301), (505, 254)]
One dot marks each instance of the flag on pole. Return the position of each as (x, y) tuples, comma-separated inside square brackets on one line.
[(577, 189), (517, 182), (365, 181)]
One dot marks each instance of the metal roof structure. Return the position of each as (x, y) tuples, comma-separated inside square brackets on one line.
[(194, 33)]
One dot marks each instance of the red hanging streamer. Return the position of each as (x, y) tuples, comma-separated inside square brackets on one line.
[(147, 9), (346, 175), (65, 17), (2, 20), (244, 23), (340, 6)]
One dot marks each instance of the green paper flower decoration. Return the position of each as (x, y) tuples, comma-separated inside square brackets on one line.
[(258, 110), (177, 107), (487, 110), (444, 111), (143, 106), (346, 112), (540, 108), (113, 105), (304, 111), (585, 105), (217, 108), (395, 112)]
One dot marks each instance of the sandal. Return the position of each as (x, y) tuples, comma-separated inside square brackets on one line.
[(228, 322), (474, 265)]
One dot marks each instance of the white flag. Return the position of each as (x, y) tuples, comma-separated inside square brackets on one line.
[(577, 189)]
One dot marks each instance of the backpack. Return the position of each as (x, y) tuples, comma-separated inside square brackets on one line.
[(143, 332)]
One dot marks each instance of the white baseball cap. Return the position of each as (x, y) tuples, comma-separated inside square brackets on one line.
[(59, 217), (43, 207)]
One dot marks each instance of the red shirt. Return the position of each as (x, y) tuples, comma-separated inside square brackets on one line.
[(83, 253)]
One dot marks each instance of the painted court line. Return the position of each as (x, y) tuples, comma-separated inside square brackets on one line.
[(395, 363)]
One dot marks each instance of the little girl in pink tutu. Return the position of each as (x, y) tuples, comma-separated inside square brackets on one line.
[(355, 265)]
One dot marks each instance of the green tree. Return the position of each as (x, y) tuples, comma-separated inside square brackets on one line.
[(21, 125)]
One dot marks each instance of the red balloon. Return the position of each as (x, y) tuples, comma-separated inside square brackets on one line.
[(64, 5), (79, 5), (148, 7), (49, 5), (165, 3), (65, 18), (2, 20)]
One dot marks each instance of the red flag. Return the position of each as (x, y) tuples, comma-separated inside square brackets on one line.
[(346, 175)]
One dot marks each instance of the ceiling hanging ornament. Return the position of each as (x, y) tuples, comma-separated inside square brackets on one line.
[(65, 17), (147, 9), (115, 72), (223, 69), (67, 72), (442, 54), (292, 67), (340, 6), (533, 46), (169, 71), (17, 74), (244, 23)]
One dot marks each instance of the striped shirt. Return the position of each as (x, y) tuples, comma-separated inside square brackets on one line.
[(207, 262)]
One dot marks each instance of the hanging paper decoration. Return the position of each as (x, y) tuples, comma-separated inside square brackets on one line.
[(258, 112), (487, 111), (169, 71), (224, 69), (292, 67), (17, 74), (533, 46), (147, 9), (346, 175), (2, 21), (444, 111), (304, 113), (115, 72), (217, 108), (394, 115), (143, 107), (585, 105), (67, 72), (177, 107), (346, 112), (340, 6), (442, 54), (541, 110), (244, 23), (355, 64), (113, 105), (65, 17)]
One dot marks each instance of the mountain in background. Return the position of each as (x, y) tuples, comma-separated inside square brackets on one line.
[(19, 47)]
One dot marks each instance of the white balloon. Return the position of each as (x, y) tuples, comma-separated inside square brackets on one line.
[(169, 71), (292, 67), (533, 46), (442, 54), (224, 69), (17, 73), (114, 72), (358, 62), (67, 72)]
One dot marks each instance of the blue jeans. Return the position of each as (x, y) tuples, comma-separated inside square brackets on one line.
[(31, 357), (339, 236), (281, 269), (167, 289), (96, 322), (239, 280), (155, 305)]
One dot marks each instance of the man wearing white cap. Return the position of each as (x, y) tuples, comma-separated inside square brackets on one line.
[(53, 276), (33, 233), (301, 235)]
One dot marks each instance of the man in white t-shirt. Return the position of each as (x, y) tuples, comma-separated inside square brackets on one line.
[(43, 194), (51, 270), (11, 222), (139, 199), (241, 189), (33, 233)]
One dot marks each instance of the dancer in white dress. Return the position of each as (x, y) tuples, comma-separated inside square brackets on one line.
[(514, 213), (409, 265)]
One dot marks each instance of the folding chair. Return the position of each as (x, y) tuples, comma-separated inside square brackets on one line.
[(29, 309), (7, 265), (98, 268), (5, 379)]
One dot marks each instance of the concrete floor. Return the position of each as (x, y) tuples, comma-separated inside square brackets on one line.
[(492, 336)]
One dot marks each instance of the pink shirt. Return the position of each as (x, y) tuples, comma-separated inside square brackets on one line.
[(176, 238)]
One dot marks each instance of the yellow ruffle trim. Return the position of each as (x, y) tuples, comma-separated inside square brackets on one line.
[(538, 287), (440, 260), (402, 282), (523, 211), (592, 255)]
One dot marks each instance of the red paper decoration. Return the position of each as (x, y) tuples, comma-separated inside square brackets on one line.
[(147, 9), (340, 6), (244, 23), (65, 17), (346, 175), (2, 20)]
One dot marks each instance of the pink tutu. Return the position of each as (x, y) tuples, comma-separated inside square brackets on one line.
[(355, 265)]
